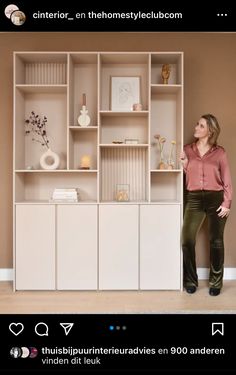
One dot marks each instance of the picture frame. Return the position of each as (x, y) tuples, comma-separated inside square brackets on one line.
[(125, 92)]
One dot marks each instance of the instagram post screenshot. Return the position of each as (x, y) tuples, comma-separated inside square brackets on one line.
[(117, 204)]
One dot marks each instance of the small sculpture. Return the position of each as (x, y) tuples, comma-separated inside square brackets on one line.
[(165, 73), (84, 119), (122, 192), (137, 107)]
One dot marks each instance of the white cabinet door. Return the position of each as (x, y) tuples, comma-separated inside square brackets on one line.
[(77, 247), (35, 247), (160, 251), (118, 246)]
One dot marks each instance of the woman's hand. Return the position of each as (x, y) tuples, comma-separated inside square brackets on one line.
[(183, 159), (223, 211)]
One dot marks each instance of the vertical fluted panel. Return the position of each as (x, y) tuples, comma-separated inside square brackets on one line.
[(124, 166), (45, 73)]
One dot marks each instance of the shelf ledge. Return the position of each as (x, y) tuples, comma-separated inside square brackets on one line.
[(126, 113), (165, 89), (56, 171), (33, 89), (165, 170), (123, 145), (80, 128), (38, 202)]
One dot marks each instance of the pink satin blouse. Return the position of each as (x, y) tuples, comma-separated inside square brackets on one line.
[(209, 172)]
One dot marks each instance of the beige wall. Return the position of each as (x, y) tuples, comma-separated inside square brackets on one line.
[(210, 86)]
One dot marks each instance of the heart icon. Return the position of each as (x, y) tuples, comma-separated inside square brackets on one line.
[(16, 328)]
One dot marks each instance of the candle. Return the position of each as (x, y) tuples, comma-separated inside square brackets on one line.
[(84, 99), (85, 162)]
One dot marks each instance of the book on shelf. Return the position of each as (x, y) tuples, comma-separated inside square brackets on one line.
[(72, 195), (65, 195), (63, 190), (55, 200)]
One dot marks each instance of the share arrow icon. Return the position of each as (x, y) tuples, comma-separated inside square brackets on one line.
[(67, 327)]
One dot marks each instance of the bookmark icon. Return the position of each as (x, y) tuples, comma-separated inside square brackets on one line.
[(67, 327), (217, 328)]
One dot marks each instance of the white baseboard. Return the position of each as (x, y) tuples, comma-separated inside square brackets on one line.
[(229, 273), (6, 274)]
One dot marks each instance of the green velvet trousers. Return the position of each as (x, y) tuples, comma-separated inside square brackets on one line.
[(199, 205)]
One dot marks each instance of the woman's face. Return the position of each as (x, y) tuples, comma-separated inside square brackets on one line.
[(201, 129)]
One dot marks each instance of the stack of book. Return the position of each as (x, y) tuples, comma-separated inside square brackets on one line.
[(65, 195)]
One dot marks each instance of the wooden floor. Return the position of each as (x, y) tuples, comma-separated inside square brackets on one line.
[(109, 302)]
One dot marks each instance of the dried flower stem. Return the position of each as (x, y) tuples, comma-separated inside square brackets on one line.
[(173, 143), (160, 142), (37, 126)]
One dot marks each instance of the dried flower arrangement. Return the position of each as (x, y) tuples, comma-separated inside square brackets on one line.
[(37, 127), (160, 142)]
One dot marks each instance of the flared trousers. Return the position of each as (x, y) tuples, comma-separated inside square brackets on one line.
[(199, 205)]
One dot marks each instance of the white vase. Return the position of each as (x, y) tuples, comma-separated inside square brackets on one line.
[(49, 160), (84, 119)]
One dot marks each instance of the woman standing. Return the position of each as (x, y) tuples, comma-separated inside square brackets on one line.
[(209, 194)]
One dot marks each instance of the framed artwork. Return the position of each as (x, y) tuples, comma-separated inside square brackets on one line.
[(125, 92)]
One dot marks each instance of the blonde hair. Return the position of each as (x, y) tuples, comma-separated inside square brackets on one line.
[(213, 127)]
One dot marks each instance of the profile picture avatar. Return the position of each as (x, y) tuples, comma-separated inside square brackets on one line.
[(16, 16), (15, 352), (23, 352)]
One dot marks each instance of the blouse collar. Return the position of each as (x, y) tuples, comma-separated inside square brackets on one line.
[(195, 149)]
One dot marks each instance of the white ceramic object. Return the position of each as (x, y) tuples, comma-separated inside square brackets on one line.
[(49, 160), (84, 119)]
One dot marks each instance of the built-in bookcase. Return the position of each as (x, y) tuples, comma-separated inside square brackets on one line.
[(120, 144)]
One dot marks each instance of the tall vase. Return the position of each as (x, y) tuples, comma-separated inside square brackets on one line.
[(161, 164), (49, 160), (84, 119), (170, 164)]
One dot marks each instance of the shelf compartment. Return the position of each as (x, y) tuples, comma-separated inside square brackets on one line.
[(41, 68), (123, 65), (83, 143), (124, 58), (123, 166), (51, 105), (83, 79), (172, 58), (119, 128), (166, 120), (32, 187), (166, 187)]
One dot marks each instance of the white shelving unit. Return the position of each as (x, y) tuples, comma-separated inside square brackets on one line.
[(98, 242)]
